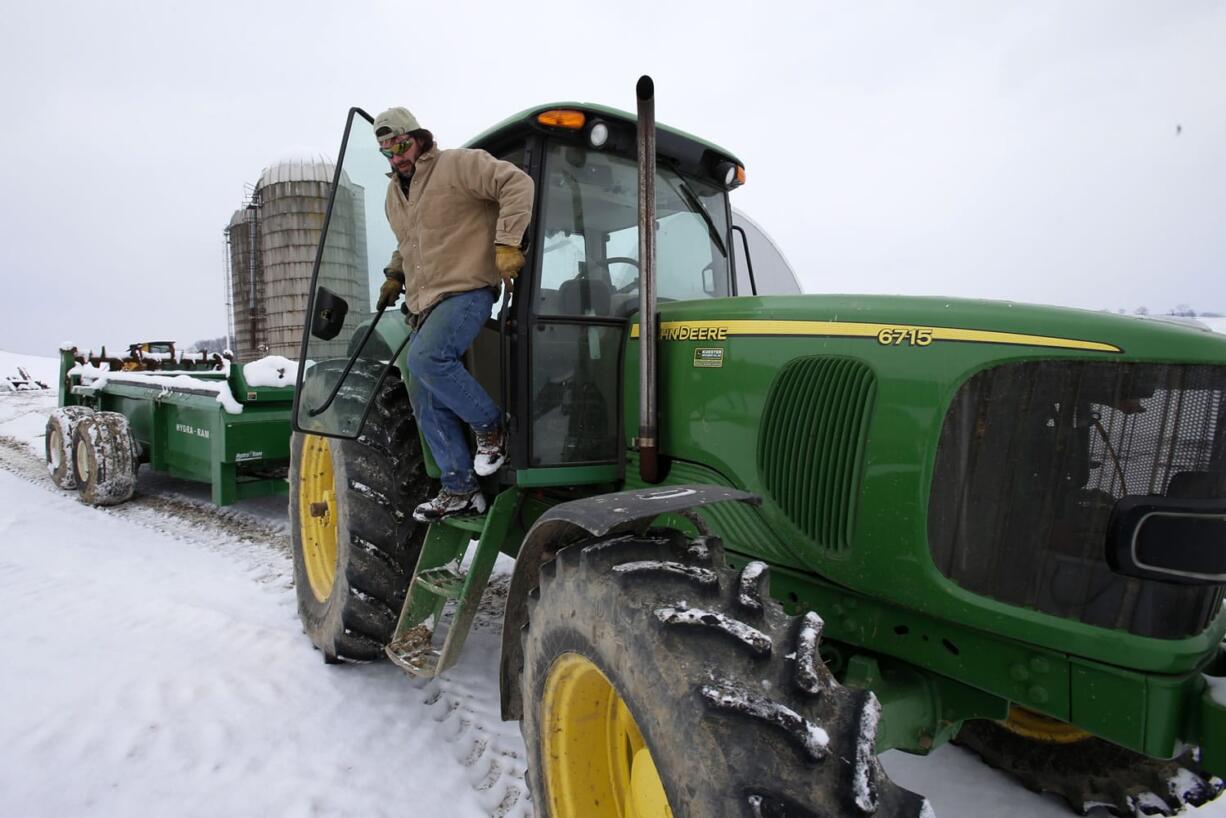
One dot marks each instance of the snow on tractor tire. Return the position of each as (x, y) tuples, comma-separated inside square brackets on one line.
[(656, 678), (1087, 771)]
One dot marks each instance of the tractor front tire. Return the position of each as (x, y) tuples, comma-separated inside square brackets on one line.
[(1047, 755), (354, 538), (659, 682), (58, 444), (104, 459)]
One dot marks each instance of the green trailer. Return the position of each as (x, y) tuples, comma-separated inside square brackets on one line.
[(198, 418)]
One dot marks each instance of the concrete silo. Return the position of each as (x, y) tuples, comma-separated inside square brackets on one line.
[(244, 302), (273, 241)]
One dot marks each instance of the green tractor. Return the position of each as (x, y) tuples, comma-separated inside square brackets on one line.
[(789, 533)]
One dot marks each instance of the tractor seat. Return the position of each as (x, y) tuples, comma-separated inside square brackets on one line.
[(583, 295)]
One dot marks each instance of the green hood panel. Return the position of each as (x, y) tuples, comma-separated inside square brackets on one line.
[(720, 359), (1068, 329)]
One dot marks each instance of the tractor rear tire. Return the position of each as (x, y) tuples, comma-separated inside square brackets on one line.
[(104, 460), (657, 681), (1091, 772), (58, 444), (354, 538)]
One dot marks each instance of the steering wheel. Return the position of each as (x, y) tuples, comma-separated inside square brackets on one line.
[(622, 260)]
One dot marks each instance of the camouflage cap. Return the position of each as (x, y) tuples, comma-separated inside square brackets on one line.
[(395, 121)]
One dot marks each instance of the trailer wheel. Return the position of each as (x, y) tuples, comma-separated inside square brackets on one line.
[(658, 682), (58, 444), (104, 458), (355, 540)]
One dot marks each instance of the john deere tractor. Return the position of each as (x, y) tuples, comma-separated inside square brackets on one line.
[(760, 539)]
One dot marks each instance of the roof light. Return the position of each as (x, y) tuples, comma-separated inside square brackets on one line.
[(730, 174), (562, 119), (598, 135)]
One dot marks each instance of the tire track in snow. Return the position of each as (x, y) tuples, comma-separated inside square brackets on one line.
[(17, 457), (463, 702), (259, 543)]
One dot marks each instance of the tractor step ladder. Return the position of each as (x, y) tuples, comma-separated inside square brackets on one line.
[(439, 578)]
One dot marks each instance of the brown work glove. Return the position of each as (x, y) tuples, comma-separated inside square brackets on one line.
[(510, 261), (391, 289)]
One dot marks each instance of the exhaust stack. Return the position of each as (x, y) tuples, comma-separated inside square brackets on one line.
[(647, 442)]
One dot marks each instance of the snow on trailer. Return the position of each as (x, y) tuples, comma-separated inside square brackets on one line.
[(195, 416)]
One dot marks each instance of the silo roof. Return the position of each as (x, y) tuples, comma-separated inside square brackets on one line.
[(298, 164)]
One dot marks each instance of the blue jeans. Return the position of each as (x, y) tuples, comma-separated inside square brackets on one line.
[(444, 395)]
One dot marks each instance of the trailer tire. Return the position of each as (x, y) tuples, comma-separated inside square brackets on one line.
[(657, 678), (58, 444), (104, 460), (355, 541)]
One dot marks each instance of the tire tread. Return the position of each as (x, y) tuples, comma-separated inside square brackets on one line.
[(383, 473), (734, 729)]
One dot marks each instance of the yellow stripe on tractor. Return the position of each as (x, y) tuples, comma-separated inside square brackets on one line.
[(909, 335)]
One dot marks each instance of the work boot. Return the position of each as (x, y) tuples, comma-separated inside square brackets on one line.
[(448, 504), (491, 452)]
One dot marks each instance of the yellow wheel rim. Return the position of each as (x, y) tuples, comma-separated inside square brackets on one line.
[(317, 515), (1038, 727), (596, 763)]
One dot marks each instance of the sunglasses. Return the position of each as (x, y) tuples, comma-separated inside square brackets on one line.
[(399, 148)]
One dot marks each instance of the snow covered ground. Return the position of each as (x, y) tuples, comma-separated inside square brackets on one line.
[(154, 665), (1215, 324)]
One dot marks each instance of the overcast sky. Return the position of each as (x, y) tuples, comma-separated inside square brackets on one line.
[(1058, 152)]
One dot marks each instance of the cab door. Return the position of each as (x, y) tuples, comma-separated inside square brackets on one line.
[(570, 355), (347, 349), (585, 290)]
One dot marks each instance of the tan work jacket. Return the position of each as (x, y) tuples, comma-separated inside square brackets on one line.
[(461, 203)]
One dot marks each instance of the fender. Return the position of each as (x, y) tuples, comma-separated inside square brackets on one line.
[(622, 512)]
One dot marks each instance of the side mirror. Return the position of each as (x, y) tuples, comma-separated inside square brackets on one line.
[(329, 316)]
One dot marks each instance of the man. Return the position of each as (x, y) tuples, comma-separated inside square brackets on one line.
[(459, 217)]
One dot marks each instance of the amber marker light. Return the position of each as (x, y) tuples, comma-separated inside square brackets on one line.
[(573, 120)]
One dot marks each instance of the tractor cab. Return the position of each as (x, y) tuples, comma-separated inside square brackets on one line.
[(551, 355)]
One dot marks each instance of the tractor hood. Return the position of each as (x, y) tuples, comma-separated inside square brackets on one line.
[(908, 321), (876, 427)]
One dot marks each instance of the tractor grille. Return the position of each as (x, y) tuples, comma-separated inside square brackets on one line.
[(811, 447), (1032, 460)]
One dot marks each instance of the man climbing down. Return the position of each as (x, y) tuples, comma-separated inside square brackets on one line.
[(459, 217)]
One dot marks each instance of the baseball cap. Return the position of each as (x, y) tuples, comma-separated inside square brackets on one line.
[(395, 121)]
